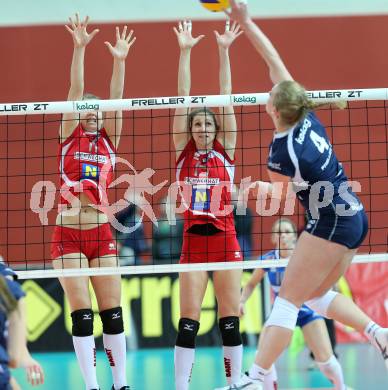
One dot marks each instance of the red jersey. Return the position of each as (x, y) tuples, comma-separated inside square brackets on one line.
[(87, 159), (206, 178)]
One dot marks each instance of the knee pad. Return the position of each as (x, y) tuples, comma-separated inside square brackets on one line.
[(322, 303), (112, 321), (230, 331), (187, 332), (82, 322), (283, 314)]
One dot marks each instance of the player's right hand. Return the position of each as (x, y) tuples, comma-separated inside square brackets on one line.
[(81, 37), (183, 33)]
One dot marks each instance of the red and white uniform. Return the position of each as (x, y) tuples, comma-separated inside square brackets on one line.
[(87, 159), (86, 163), (206, 179)]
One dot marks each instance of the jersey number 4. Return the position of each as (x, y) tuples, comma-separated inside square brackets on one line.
[(319, 141)]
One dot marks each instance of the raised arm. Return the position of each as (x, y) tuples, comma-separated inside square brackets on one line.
[(255, 279), (186, 42), (113, 120), (227, 134), (277, 70), (81, 39)]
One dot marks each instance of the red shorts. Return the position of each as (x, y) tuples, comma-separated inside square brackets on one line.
[(93, 243), (222, 246)]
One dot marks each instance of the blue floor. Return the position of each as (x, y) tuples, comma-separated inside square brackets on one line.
[(153, 369)]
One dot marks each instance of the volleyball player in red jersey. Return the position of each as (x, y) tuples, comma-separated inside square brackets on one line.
[(82, 236), (205, 159)]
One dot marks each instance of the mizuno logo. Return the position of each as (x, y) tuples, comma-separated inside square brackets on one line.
[(115, 316), (87, 317), (229, 326), (188, 327), (235, 387), (383, 350)]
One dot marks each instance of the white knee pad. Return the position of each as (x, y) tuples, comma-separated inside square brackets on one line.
[(283, 314), (322, 303)]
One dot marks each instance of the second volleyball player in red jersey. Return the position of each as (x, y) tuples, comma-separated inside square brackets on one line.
[(205, 167), (82, 236)]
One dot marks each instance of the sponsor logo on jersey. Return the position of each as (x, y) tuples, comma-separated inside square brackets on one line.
[(112, 245), (274, 165), (237, 255), (201, 199), (205, 181), (90, 171), (303, 130), (99, 158)]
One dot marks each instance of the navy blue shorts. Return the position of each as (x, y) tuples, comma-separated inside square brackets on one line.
[(306, 315), (349, 231)]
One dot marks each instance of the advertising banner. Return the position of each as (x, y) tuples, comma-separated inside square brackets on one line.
[(367, 285), (150, 310)]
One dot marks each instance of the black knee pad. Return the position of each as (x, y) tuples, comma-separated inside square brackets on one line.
[(230, 331), (82, 322), (187, 332), (112, 320)]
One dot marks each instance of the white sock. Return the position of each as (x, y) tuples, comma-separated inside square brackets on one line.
[(370, 331), (333, 371), (116, 351), (183, 362), (258, 373), (233, 363), (85, 350), (271, 379)]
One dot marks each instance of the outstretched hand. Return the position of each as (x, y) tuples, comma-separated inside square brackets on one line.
[(238, 11), (123, 44), (81, 37), (34, 371), (230, 34), (183, 33)]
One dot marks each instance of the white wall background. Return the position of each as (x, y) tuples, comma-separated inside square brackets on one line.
[(30, 12)]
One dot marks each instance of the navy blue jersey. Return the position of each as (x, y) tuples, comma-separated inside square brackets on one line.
[(18, 293), (275, 277), (304, 153), (275, 274)]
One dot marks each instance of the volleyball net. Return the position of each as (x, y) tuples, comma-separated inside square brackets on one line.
[(148, 229)]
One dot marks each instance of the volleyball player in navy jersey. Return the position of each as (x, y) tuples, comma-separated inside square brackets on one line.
[(284, 235), (301, 153), (13, 343), (205, 164)]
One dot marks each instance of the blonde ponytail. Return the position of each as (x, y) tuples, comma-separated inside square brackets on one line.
[(8, 302), (292, 103)]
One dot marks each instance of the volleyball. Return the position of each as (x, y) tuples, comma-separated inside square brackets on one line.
[(215, 5)]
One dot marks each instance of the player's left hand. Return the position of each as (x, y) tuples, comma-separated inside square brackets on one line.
[(241, 309), (231, 33), (123, 44), (34, 371)]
